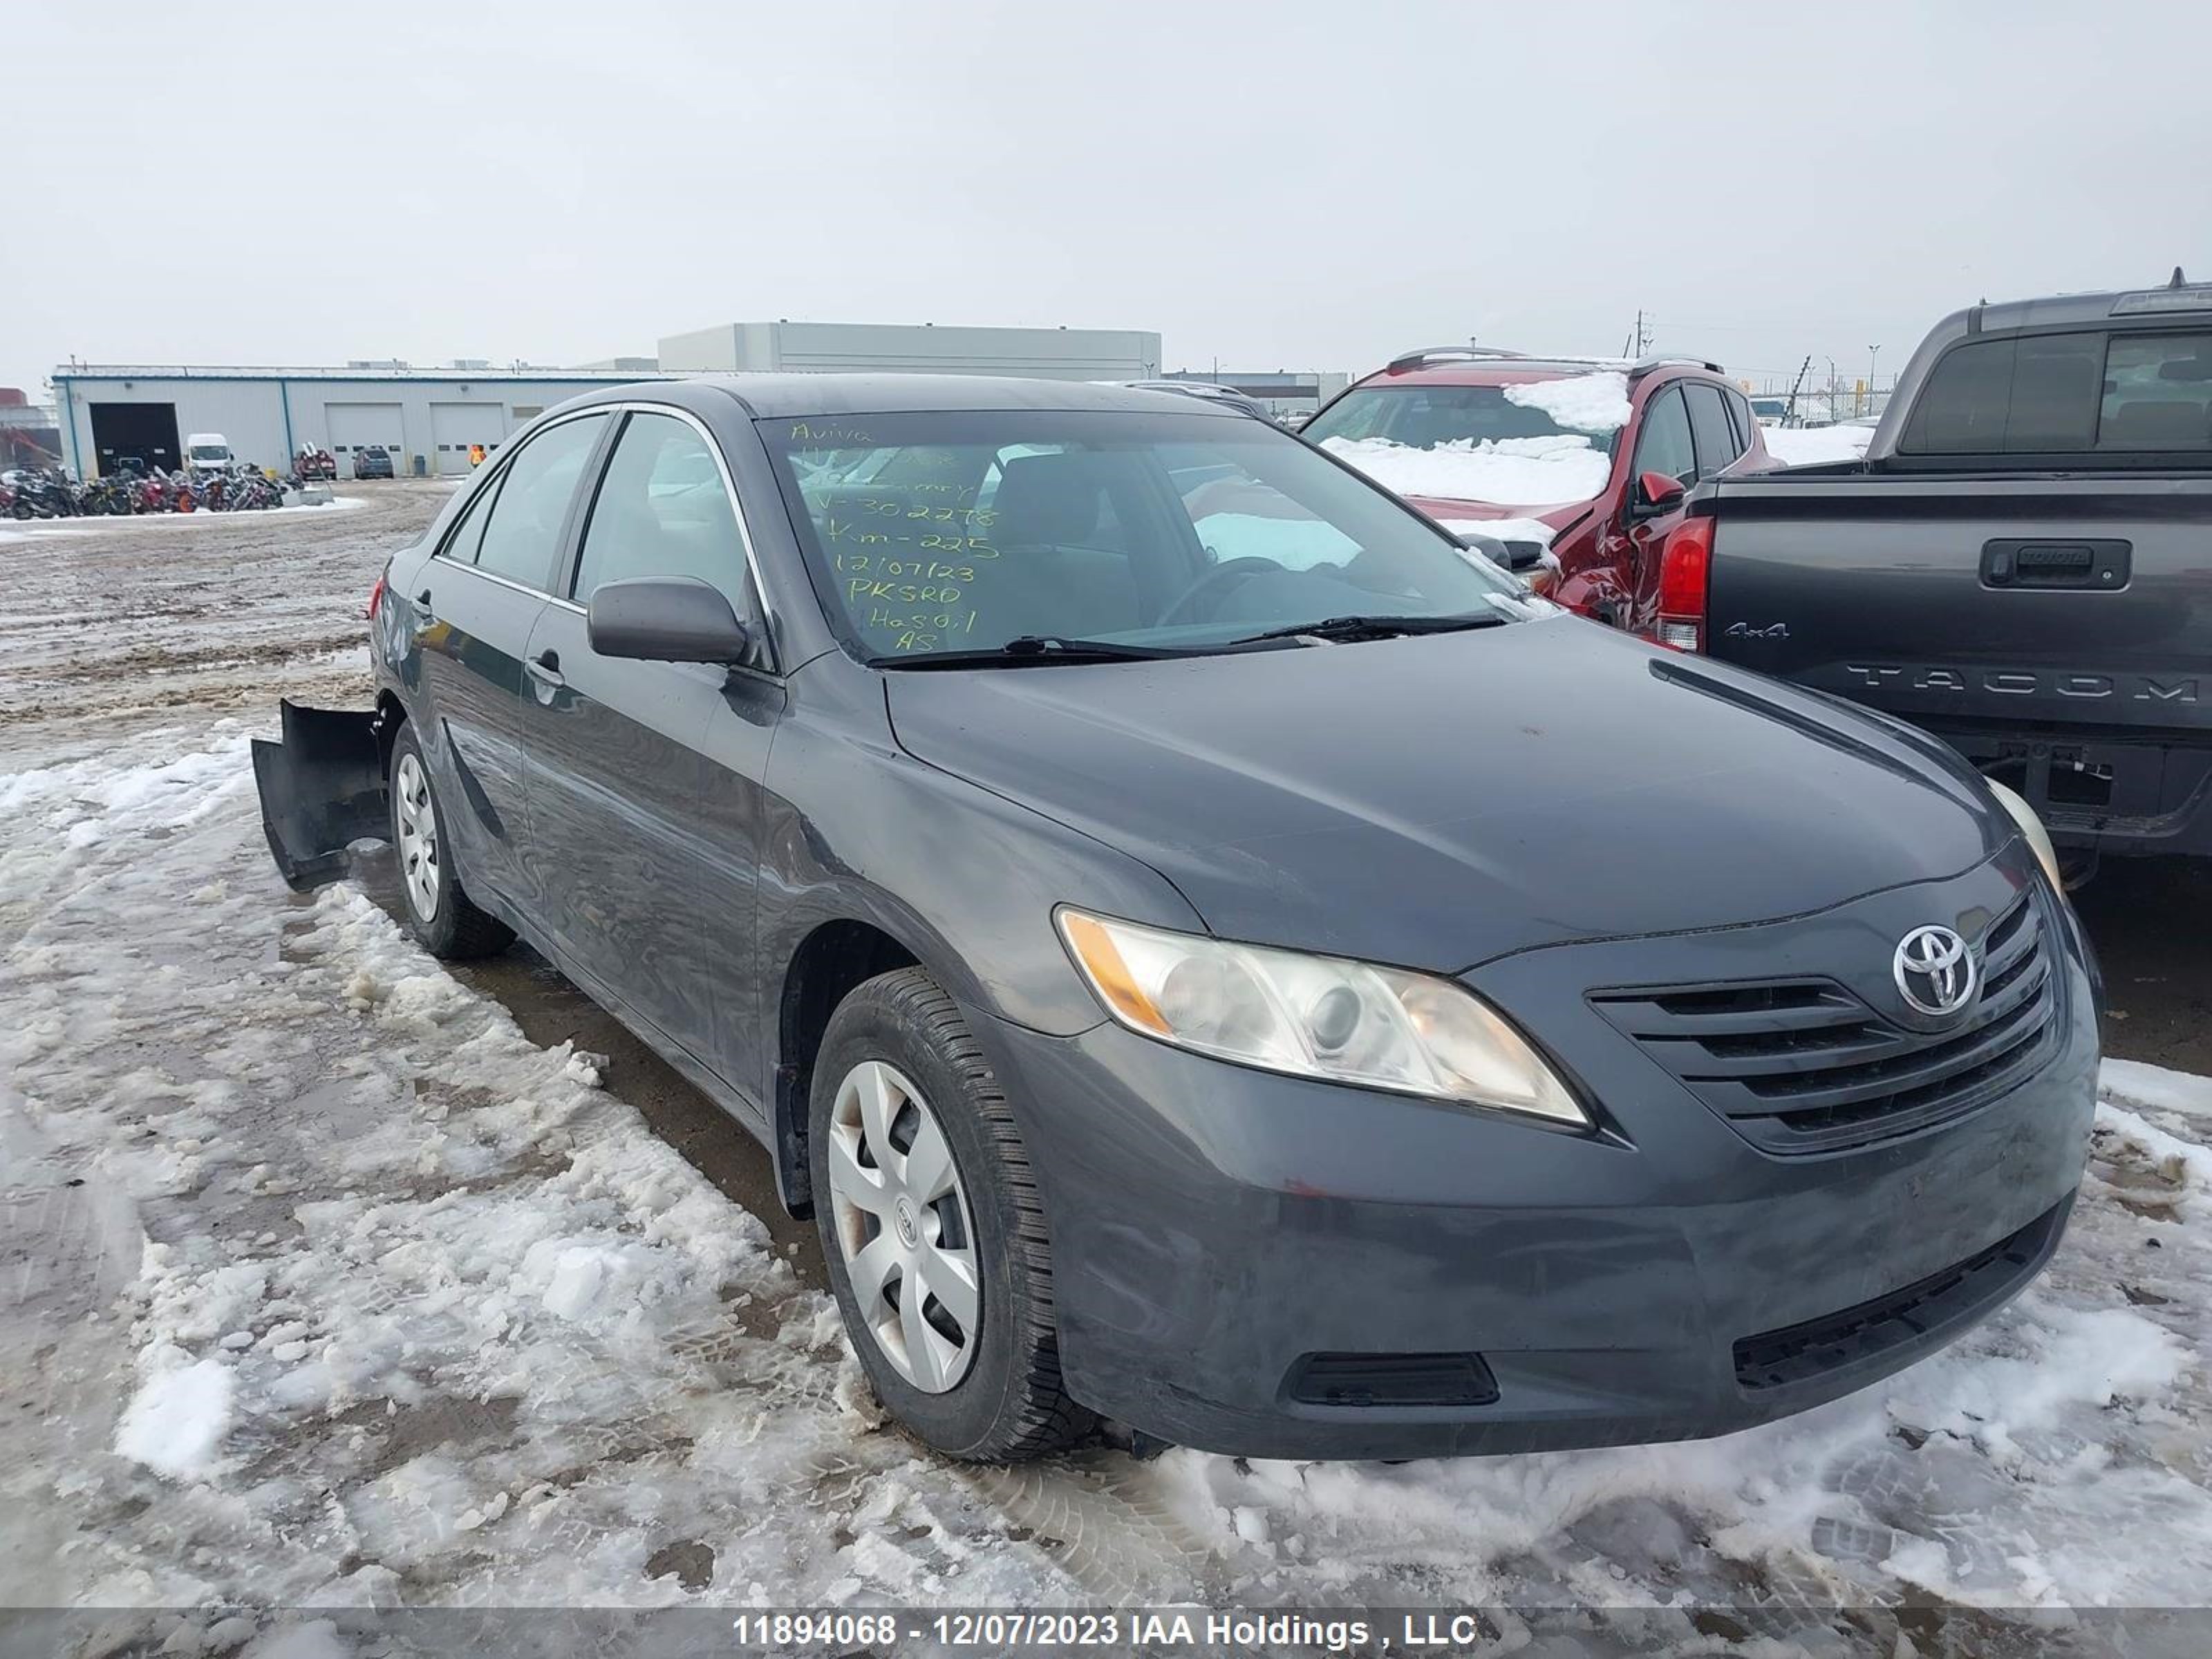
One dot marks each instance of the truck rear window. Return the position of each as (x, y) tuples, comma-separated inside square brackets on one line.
[(2073, 393)]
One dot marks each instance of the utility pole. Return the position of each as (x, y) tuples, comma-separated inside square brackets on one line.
[(1873, 352), (1642, 337)]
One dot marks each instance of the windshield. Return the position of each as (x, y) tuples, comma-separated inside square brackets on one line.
[(210, 452), (1423, 416), (959, 531), (1534, 443)]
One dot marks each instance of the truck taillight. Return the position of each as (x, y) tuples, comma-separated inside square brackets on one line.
[(375, 597), (1685, 563)]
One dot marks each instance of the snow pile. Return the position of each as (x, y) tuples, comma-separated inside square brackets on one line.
[(176, 1420), (1530, 472), (1810, 445), (2137, 1084), (1586, 403)]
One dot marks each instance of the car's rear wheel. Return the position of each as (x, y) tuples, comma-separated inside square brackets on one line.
[(439, 912), (932, 1226)]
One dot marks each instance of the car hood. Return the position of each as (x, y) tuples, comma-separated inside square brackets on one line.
[(1435, 801)]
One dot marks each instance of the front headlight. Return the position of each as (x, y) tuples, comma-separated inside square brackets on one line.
[(1322, 1017), (2032, 831)]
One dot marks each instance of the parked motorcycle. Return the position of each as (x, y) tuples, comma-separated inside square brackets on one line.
[(111, 496), (41, 493)]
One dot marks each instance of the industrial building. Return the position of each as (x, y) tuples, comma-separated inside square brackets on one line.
[(1289, 394), (1050, 354), (426, 419)]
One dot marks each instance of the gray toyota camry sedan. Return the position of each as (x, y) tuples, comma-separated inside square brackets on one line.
[(1209, 950)]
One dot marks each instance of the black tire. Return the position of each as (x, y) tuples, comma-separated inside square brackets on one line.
[(1011, 1404), (455, 929)]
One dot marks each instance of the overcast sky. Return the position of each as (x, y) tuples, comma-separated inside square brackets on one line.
[(1298, 185)]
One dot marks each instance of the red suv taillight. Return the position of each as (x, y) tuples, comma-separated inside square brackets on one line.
[(1686, 560), (376, 596)]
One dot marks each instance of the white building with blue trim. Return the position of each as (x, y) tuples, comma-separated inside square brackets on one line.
[(430, 419), (425, 419)]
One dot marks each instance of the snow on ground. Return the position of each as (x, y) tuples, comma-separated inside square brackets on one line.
[(1587, 402), (1808, 446), (334, 1288), (41, 530), (1533, 472)]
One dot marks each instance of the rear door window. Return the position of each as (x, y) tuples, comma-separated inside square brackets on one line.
[(1664, 445), (1744, 422), (1717, 444), (461, 543)]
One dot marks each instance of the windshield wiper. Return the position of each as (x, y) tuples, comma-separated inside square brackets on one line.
[(1032, 650), (1374, 628)]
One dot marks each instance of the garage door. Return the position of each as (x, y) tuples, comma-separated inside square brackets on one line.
[(143, 433), (454, 426), (355, 426)]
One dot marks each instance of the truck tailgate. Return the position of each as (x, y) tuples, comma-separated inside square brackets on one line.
[(2015, 599)]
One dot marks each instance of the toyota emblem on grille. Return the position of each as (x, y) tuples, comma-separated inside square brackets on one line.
[(1936, 973)]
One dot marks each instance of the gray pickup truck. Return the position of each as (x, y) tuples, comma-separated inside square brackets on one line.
[(2022, 564)]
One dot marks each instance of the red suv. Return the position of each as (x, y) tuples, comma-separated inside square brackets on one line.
[(1583, 462)]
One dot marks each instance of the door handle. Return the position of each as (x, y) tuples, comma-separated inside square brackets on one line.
[(545, 668), (2095, 565)]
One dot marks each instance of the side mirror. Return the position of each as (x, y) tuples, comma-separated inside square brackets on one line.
[(1657, 491), (666, 619)]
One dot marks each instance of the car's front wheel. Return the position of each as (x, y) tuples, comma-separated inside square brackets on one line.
[(439, 912), (932, 1226)]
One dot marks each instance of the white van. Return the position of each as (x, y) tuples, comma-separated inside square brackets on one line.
[(208, 452)]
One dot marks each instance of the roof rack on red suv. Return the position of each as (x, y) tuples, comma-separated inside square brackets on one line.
[(1433, 356)]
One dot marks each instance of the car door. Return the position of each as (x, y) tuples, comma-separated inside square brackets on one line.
[(472, 608), (644, 778)]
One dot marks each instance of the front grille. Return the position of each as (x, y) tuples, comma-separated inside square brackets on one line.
[(1805, 1066), (1941, 1302)]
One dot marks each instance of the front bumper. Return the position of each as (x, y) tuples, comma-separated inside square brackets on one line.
[(322, 788), (1215, 1229)]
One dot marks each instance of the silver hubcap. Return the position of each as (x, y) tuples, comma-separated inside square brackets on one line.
[(903, 1227), (418, 835)]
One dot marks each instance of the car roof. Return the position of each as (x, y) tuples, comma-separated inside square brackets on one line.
[(2177, 303), (777, 396)]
